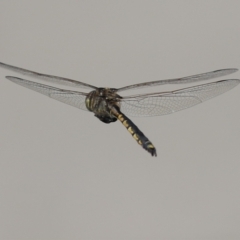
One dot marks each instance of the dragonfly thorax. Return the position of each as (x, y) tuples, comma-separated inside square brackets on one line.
[(101, 102)]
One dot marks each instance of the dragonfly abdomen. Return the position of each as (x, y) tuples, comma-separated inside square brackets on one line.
[(137, 134)]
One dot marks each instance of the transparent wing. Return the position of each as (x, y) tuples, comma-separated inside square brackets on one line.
[(157, 104), (189, 79), (48, 78), (75, 99)]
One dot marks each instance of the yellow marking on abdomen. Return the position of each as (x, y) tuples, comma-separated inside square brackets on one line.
[(135, 136), (150, 146), (125, 123), (120, 117), (130, 130)]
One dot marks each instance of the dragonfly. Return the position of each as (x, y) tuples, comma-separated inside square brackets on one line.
[(108, 106)]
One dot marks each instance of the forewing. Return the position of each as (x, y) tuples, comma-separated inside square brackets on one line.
[(75, 99), (48, 78), (157, 104), (189, 79)]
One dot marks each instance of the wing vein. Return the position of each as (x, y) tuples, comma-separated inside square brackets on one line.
[(73, 98)]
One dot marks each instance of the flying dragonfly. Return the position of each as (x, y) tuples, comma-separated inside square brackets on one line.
[(108, 106)]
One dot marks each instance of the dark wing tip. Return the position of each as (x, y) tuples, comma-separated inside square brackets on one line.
[(11, 78), (228, 70)]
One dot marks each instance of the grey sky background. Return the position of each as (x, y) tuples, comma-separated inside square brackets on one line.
[(66, 175)]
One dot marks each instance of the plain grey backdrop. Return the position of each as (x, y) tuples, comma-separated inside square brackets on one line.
[(66, 175)]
